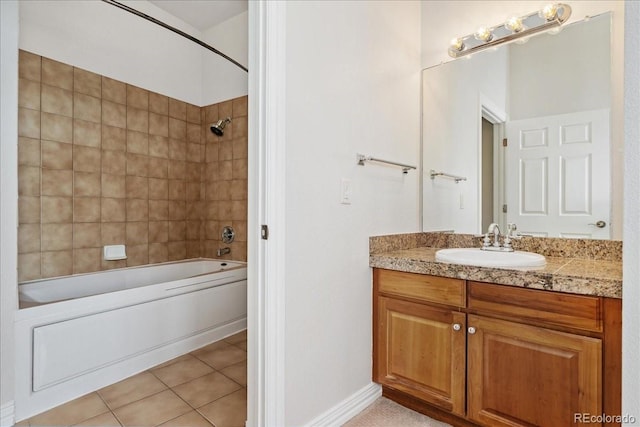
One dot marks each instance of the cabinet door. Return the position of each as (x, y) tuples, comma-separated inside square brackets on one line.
[(421, 351), (521, 375)]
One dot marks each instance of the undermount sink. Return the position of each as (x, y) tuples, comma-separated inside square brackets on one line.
[(480, 258)]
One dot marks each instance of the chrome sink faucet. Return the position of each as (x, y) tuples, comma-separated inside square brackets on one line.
[(494, 229)]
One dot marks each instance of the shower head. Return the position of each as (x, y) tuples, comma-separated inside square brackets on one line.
[(218, 127)]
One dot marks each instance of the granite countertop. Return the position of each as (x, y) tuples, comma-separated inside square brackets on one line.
[(599, 277)]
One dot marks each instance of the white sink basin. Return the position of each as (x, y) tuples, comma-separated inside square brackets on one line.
[(480, 258)]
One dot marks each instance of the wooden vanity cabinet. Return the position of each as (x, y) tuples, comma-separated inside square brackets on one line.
[(521, 357), (520, 375), (420, 337), (529, 374)]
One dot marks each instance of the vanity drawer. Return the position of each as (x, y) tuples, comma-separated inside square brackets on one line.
[(554, 308), (441, 290)]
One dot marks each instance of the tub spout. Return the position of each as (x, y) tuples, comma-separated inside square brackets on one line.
[(224, 251)]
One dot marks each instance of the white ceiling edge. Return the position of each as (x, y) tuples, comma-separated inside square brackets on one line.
[(202, 14), (151, 9)]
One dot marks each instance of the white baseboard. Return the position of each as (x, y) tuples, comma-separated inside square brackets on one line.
[(348, 408), (6, 414)]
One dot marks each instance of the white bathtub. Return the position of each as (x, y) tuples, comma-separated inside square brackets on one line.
[(79, 333)]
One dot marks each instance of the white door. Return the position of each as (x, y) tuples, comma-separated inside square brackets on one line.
[(558, 175)]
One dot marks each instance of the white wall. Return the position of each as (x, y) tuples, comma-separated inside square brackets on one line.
[(222, 80), (98, 37), (352, 85), (8, 203), (578, 80), (451, 112), (631, 261), (443, 20)]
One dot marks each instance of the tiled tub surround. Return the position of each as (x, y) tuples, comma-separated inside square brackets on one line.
[(588, 267), (103, 162)]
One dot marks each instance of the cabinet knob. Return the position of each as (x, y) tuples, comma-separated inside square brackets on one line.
[(456, 326), (471, 330)]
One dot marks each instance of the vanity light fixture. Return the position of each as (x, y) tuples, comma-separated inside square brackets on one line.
[(483, 34), (551, 16), (514, 24)]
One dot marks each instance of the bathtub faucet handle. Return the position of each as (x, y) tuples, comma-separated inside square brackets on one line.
[(224, 251)]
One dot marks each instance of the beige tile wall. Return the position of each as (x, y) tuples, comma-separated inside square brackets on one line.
[(225, 178), (102, 162)]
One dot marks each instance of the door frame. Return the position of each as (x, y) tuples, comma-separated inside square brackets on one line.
[(497, 117), (266, 206)]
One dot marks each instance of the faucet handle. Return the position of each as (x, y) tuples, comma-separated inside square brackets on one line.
[(512, 232), (486, 241)]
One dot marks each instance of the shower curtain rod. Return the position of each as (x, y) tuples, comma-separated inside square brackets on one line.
[(175, 30)]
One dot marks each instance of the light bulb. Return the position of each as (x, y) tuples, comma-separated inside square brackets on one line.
[(457, 44), (514, 24), (483, 34), (549, 12)]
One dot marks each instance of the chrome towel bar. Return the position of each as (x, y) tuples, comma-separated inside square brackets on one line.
[(362, 158), (456, 178)]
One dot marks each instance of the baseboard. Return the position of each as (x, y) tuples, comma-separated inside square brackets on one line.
[(348, 408), (7, 414)]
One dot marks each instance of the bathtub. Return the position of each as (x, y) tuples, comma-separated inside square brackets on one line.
[(77, 334)]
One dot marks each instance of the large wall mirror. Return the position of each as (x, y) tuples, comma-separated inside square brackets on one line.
[(529, 127)]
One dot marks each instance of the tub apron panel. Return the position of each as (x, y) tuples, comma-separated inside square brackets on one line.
[(92, 342)]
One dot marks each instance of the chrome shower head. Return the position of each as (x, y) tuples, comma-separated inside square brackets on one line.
[(218, 127)]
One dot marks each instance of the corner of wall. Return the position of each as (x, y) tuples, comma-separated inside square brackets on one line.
[(8, 202), (631, 256)]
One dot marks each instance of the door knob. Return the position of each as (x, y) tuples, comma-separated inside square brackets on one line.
[(456, 326), (599, 224), (471, 330)]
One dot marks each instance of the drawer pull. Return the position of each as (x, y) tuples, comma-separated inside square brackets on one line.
[(471, 330), (456, 326)]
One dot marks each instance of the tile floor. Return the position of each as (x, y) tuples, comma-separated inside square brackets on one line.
[(207, 387), (387, 413)]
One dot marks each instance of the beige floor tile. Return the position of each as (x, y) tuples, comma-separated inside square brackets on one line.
[(242, 345), (152, 410), (105, 420), (181, 372), (190, 419), (23, 423), (222, 357), (211, 347), (71, 413), (134, 388), (206, 389), (236, 338), (384, 413), (172, 361), (237, 372), (229, 411)]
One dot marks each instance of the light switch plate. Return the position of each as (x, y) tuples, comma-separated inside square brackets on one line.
[(345, 191)]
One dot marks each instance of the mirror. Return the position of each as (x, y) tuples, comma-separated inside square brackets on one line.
[(550, 98)]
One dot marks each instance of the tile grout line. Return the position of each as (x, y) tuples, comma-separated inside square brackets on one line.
[(109, 408)]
